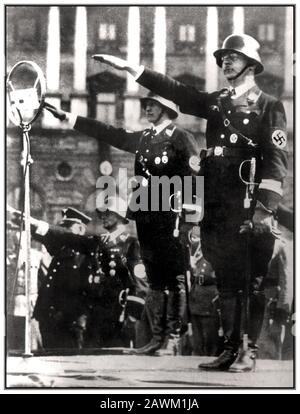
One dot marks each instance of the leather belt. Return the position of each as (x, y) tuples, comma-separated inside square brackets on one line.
[(203, 280), (219, 151)]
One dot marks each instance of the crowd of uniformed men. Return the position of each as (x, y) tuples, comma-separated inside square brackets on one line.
[(144, 293)]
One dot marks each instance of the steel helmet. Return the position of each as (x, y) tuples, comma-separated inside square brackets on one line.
[(115, 204), (243, 44), (171, 107)]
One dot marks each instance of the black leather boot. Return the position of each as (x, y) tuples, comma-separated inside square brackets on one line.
[(222, 363), (156, 301), (175, 312), (149, 349), (245, 361), (231, 321)]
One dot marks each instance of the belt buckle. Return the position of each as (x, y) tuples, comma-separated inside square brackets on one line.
[(200, 280), (219, 151)]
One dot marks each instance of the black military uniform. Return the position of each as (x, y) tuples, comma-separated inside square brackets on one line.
[(59, 302), (110, 260), (169, 153), (251, 126)]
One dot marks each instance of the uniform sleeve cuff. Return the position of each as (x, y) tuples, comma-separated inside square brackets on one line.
[(269, 199), (42, 228), (139, 72), (271, 185), (71, 119)]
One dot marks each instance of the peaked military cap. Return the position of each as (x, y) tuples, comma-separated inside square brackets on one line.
[(73, 215)]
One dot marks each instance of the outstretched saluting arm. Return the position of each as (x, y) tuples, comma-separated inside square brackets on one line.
[(190, 100), (117, 137)]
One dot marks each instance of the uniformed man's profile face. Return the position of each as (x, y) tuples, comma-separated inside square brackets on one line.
[(232, 64), (109, 219), (153, 111)]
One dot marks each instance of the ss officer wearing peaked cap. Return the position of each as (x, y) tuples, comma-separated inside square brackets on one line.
[(59, 304), (162, 150), (242, 123)]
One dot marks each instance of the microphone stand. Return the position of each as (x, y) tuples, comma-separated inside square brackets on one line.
[(18, 100), (26, 161)]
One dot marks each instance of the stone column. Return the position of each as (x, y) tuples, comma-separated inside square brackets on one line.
[(132, 107), (212, 38), (238, 20), (79, 96), (160, 40), (53, 67)]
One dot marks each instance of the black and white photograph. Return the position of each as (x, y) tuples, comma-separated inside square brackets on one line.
[(149, 196)]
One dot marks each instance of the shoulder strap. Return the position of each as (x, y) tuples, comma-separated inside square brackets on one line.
[(228, 124)]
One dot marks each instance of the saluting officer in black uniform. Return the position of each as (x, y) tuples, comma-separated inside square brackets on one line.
[(59, 304), (242, 123), (163, 150)]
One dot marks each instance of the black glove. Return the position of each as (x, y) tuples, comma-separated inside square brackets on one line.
[(57, 113), (262, 221)]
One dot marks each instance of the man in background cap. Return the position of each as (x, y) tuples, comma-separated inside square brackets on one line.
[(59, 304), (89, 278)]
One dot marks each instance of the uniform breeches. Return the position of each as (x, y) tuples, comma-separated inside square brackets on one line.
[(162, 253), (227, 252)]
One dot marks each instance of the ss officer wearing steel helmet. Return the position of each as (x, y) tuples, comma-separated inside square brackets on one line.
[(162, 150), (242, 123)]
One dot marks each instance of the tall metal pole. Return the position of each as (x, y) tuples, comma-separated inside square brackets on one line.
[(26, 161)]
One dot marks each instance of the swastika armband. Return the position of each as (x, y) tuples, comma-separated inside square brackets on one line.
[(279, 138)]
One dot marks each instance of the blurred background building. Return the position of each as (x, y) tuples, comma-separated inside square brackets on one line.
[(175, 40)]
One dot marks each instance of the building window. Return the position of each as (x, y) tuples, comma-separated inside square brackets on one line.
[(266, 32), (187, 33), (106, 107), (107, 31)]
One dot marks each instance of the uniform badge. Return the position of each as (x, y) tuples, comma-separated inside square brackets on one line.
[(112, 264), (139, 271), (169, 132), (194, 163), (279, 138), (233, 138)]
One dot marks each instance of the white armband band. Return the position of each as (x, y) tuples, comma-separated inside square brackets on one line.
[(272, 185), (71, 119), (139, 72)]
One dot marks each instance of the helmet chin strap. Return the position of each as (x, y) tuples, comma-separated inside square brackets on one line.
[(160, 116), (242, 71)]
